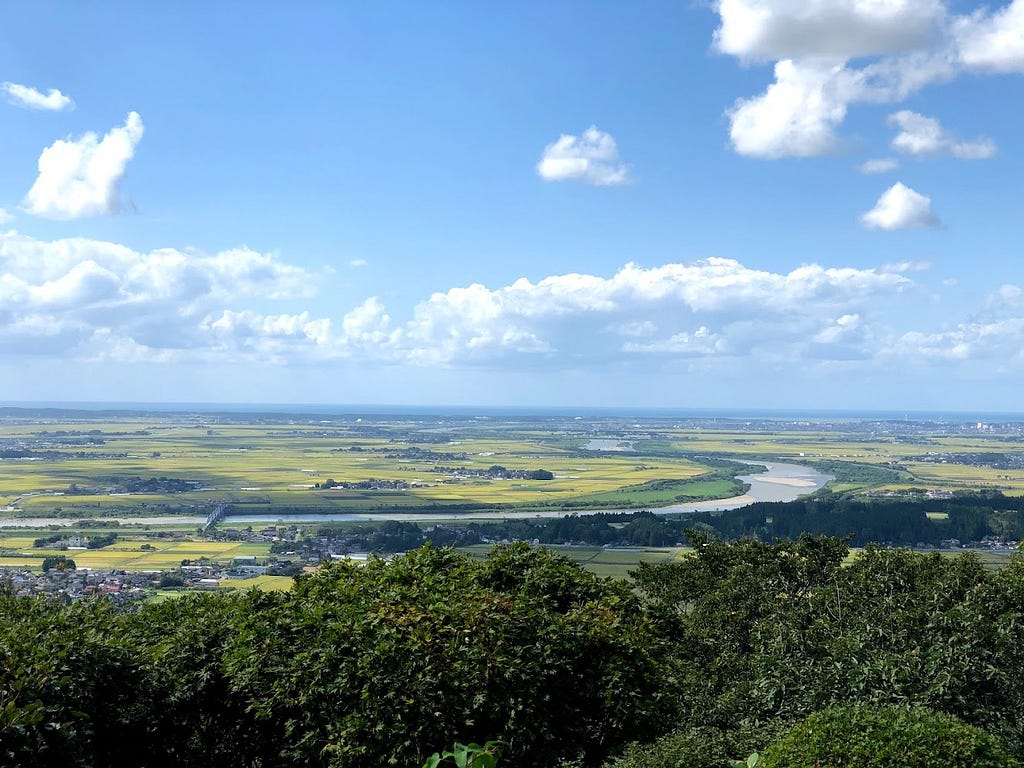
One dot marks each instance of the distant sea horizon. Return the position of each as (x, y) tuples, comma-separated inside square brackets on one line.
[(518, 411)]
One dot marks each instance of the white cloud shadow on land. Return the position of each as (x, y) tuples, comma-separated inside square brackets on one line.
[(26, 97), (900, 207), (592, 158), (82, 177)]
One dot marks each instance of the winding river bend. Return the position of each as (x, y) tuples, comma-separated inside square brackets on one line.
[(780, 482)]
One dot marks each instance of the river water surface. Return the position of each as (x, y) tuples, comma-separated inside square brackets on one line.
[(780, 482)]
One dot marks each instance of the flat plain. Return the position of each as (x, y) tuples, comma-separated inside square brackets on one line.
[(90, 467)]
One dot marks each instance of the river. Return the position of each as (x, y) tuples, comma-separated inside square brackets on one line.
[(780, 482)]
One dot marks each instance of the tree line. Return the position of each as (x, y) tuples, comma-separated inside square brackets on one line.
[(908, 521), (903, 521)]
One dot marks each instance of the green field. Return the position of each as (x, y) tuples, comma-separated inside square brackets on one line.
[(128, 554), (259, 467), (611, 563), (78, 466)]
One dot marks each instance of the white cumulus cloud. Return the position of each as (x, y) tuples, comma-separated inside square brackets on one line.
[(81, 177), (90, 295), (592, 157), (712, 307), (992, 41), (921, 135), (82, 299), (31, 98), (1001, 340), (900, 207), (780, 29), (797, 115), (994, 334), (832, 54)]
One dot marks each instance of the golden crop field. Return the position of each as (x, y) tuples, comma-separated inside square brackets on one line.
[(128, 553), (273, 465), (78, 467)]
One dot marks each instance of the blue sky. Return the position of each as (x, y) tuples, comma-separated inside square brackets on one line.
[(744, 203)]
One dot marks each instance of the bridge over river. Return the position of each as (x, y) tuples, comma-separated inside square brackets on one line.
[(779, 482)]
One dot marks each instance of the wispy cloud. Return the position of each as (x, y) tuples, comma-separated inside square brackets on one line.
[(921, 135), (880, 165), (29, 98)]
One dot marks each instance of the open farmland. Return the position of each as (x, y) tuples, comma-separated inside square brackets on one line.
[(86, 465), (95, 467), (133, 551)]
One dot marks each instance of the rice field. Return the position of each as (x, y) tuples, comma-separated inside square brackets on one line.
[(281, 466), (79, 465), (135, 553)]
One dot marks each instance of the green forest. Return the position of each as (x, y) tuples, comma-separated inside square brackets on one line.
[(791, 650), (965, 516)]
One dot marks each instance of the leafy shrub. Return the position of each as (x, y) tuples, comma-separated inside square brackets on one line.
[(863, 736), (376, 665), (467, 756), (699, 747)]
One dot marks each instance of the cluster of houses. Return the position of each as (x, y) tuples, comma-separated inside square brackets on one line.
[(992, 543), (372, 484), (123, 587), (126, 587), (912, 494)]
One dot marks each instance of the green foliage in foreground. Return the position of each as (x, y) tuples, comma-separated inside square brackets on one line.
[(773, 633), (694, 747), (863, 736), (709, 659), (467, 756), (357, 666), (770, 634)]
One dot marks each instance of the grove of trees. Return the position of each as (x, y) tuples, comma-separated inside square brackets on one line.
[(696, 662)]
